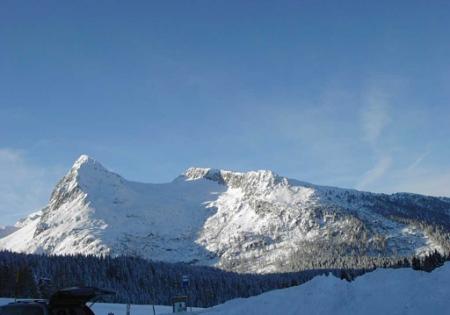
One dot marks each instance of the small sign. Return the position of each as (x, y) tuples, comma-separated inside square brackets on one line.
[(179, 304)]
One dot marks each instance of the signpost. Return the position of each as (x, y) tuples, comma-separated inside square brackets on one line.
[(185, 281), (180, 302)]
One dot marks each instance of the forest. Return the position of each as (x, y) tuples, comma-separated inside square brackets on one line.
[(139, 281)]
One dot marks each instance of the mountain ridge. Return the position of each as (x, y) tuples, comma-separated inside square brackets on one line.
[(255, 221)]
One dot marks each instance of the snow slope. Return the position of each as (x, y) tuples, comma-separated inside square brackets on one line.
[(248, 222), (384, 291)]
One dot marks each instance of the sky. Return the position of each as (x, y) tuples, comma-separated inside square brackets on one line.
[(353, 94)]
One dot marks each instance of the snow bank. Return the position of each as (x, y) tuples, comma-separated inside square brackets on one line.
[(120, 309), (388, 291), (384, 291)]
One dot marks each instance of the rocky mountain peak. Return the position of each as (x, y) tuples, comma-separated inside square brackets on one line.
[(85, 164), (260, 178), (85, 176), (194, 173)]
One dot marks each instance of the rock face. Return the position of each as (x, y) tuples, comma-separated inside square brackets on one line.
[(249, 222)]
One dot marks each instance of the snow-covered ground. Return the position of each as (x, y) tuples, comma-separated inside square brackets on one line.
[(388, 291), (120, 309), (384, 291)]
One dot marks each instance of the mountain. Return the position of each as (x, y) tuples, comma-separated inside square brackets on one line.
[(248, 222)]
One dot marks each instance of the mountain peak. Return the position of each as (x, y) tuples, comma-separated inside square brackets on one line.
[(87, 176), (193, 173), (214, 174), (82, 161), (258, 178), (84, 172), (87, 166)]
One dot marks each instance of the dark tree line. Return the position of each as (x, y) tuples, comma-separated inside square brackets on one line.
[(429, 262), (144, 282), (134, 279)]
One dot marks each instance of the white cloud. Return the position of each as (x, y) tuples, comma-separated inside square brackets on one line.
[(24, 187)]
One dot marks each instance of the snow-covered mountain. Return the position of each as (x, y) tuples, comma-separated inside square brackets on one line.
[(254, 221)]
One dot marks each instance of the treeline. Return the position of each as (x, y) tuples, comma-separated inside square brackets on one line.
[(141, 281), (136, 280)]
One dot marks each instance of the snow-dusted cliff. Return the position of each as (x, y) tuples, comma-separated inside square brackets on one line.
[(254, 221)]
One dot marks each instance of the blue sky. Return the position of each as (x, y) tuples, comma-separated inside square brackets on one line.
[(344, 93)]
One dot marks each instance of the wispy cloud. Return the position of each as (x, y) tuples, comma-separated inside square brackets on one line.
[(377, 172), (385, 175), (413, 166), (24, 187), (375, 115)]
